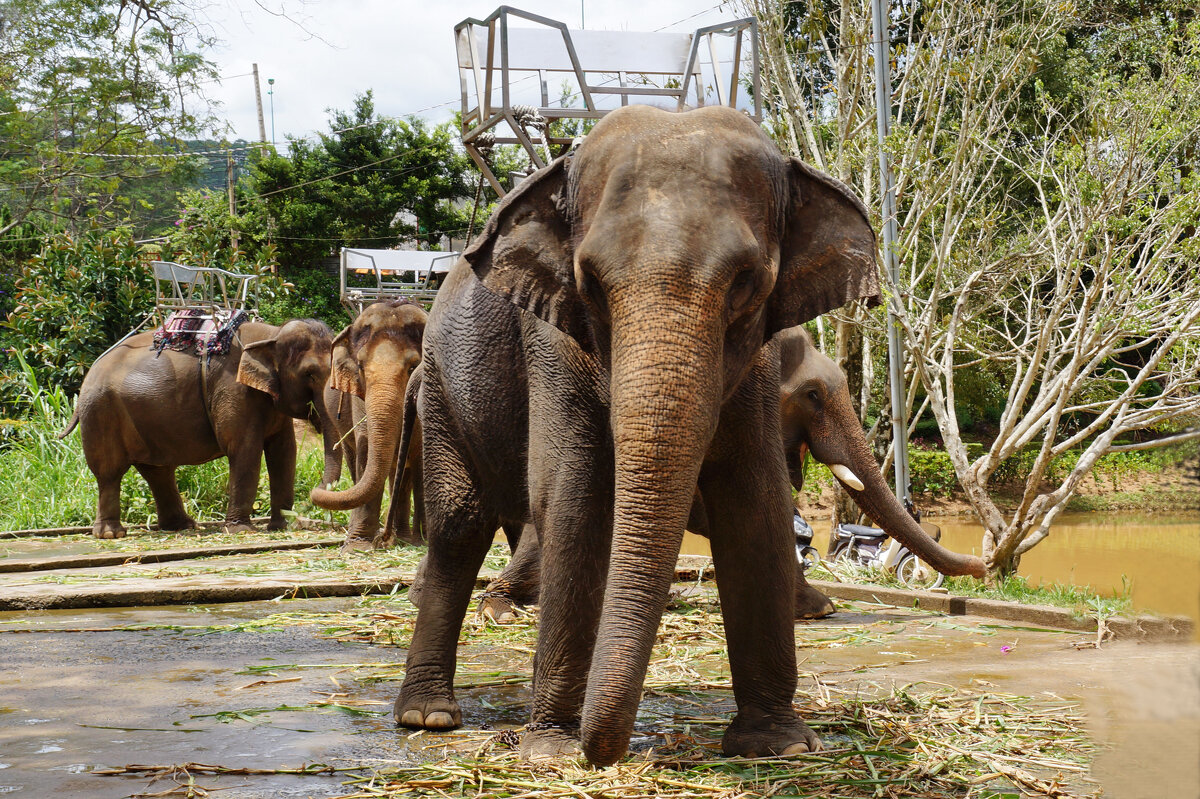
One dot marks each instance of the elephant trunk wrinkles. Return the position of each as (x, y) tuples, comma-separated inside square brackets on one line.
[(383, 434), (665, 402), (878, 502)]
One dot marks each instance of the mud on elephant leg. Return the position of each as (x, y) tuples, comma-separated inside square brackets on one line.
[(518, 585), (167, 501)]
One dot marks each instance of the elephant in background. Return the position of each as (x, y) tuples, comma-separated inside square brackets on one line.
[(372, 361), (156, 411), (595, 359)]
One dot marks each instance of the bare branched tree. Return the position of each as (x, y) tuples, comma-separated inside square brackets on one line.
[(1046, 239)]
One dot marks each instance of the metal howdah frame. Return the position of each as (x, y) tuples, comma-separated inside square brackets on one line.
[(490, 51)]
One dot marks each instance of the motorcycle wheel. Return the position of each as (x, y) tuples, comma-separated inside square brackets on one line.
[(916, 574)]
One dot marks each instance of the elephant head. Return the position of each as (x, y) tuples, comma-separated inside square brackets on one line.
[(291, 367), (817, 417), (670, 247), (373, 358)]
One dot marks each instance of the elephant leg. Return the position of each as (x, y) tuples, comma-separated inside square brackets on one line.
[(571, 499), (108, 507), (518, 584), (810, 603), (460, 535), (245, 467), (167, 501), (280, 451), (748, 515)]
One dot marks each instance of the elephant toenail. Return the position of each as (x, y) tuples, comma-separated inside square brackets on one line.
[(412, 718), (439, 720), (800, 748)]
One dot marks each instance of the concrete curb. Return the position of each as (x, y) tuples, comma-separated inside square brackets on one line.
[(1142, 628), (14, 565), (299, 523)]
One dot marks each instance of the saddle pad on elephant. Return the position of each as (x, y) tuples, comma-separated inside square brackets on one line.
[(200, 332)]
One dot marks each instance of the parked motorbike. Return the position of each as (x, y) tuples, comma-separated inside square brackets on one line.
[(870, 546), (806, 553)]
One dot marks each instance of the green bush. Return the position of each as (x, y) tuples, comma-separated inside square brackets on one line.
[(313, 294), (931, 472), (72, 301)]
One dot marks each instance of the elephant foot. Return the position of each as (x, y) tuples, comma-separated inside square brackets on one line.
[(424, 713), (277, 523), (237, 527), (177, 524), (354, 544), (544, 742), (497, 607), (767, 738), (811, 603), (108, 529)]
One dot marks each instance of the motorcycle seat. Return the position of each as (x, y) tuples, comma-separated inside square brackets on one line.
[(860, 531)]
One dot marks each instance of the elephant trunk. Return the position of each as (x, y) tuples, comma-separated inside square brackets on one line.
[(383, 434), (664, 410), (330, 440), (878, 502)]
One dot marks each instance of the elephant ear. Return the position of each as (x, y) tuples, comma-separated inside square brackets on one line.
[(526, 255), (827, 254), (344, 374), (258, 368)]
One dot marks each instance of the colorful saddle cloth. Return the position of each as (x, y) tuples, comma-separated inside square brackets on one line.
[(195, 331)]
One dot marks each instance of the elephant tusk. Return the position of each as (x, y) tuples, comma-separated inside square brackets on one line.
[(846, 476)]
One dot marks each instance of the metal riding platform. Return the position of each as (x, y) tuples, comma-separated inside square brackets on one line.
[(199, 308), (601, 70), (366, 276)]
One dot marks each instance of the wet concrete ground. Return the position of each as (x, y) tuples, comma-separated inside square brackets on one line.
[(73, 700)]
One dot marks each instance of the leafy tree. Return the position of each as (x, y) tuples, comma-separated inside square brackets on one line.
[(370, 182), (81, 78)]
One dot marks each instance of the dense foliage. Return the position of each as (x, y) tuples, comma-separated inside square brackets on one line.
[(369, 182)]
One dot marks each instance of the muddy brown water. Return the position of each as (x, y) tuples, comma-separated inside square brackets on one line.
[(1156, 556)]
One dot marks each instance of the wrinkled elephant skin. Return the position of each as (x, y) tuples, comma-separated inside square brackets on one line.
[(597, 357)]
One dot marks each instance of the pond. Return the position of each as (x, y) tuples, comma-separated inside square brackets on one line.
[(1158, 555)]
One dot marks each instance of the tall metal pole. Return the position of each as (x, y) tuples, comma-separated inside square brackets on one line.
[(271, 94), (883, 123), (262, 129)]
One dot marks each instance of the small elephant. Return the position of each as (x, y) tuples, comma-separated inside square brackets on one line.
[(816, 416), (373, 359), (159, 410), (595, 359)]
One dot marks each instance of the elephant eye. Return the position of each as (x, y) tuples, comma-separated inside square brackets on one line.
[(742, 290), (813, 395)]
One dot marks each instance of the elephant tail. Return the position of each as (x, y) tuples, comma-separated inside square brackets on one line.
[(406, 441), (70, 426)]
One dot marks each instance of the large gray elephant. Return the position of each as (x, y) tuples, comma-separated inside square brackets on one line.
[(373, 358), (816, 416), (595, 359), (159, 410)]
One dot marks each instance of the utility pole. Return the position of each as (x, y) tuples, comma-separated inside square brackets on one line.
[(262, 128), (233, 234), (887, 191)]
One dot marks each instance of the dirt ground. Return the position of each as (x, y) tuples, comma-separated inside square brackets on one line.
[(281, 684)]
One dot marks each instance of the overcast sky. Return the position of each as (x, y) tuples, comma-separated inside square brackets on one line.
[(331, 50)]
